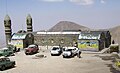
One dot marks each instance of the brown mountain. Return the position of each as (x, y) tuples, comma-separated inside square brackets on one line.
[(115, 32), (67, 25)]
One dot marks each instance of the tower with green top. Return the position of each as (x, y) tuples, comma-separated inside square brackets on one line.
[(29, 23), (8, 30)]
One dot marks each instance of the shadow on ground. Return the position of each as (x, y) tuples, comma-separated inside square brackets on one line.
[(112, 69), (109, 58)]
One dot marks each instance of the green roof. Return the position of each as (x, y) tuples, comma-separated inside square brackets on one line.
[(89, 36), (19, 36)]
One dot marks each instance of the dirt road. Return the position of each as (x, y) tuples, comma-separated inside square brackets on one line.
[(89, 63)]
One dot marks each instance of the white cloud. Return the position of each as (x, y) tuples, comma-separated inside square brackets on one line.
[(79, 2), (103, 1), (53, 0), (83, 2)]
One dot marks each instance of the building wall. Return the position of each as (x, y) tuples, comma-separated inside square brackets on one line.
[(56, 39), (17, 43), (92, 45), (71, 39), (108, 39), (28, 40), (23, 42)]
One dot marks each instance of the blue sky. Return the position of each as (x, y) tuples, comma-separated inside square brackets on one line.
[(95, 14)]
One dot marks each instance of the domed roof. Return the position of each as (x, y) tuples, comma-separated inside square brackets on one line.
[(29, 16), (7, 17), (21, 31)]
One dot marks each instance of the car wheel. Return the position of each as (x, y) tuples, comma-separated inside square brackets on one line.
[(51, 54), (26, 53), (72, 55), (12, 54), (6, 55), (12, 65), (3, 68)]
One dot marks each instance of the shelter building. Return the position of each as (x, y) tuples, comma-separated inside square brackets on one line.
[(22, 40), (93, 41)]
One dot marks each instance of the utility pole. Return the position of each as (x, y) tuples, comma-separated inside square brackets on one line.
[(47, 39)]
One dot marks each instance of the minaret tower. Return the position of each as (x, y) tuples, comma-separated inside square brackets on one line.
[(29, 23), (8, 30)]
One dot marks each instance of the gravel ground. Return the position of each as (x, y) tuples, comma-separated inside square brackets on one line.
[(89, 63)]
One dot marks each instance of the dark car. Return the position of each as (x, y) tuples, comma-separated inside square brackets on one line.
[(7, 51), (6, 63), (31, 49)]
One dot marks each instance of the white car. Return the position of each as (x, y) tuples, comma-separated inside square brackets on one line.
[(70, 52), (56, 50)]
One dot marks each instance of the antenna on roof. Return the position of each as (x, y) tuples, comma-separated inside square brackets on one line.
[(22, 26), (6, 7)]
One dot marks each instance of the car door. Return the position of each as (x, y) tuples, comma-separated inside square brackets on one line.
[(75, 51), (5, 52), (8, 63)]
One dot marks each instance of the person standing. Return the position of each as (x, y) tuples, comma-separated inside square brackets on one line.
[(79, 53)]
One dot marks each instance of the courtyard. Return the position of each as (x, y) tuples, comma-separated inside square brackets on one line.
[(88, 63)]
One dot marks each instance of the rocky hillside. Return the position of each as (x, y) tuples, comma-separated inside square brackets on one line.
[(115, 32), (67, 25)]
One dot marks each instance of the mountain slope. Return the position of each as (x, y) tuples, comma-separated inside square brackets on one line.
[(115, 32), (67, 25)]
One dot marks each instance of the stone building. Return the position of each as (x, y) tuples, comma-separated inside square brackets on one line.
[(90, 40), (56, 38)]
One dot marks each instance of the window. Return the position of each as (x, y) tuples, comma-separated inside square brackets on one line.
[(52, 41), (62, 41), (43, 41), (27, 21), (9, 22), (4, 22), (7, 59)]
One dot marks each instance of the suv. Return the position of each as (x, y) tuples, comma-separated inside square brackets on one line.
[(6, 51), (56, 50), (31, 49), (71, 52), (5, 63)]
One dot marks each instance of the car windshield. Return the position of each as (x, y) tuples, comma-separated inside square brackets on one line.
[(55, 48), (7, 59), (68, 50), (1, 50), (30, 47)]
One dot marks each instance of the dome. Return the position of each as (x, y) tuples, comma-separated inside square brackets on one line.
[(21, 31), (29, 16), (7, 17)]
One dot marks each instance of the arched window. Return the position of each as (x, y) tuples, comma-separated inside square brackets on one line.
[(43, 41), (9, 22), (4, 22), (27, 21), (62, 41), (52, 41)]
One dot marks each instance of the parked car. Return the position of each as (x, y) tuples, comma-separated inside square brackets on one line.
[(31, 49), (71, 52), (56, 50), (6, 51), (6, 63)]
